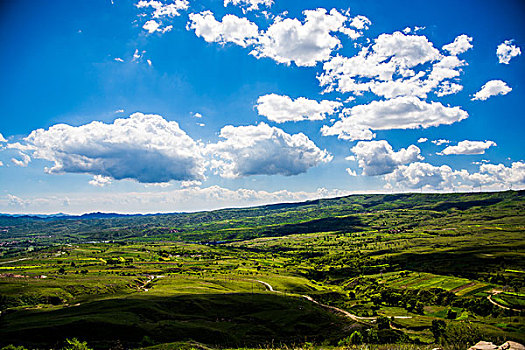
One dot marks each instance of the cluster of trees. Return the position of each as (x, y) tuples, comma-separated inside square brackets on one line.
[(70, 344), (380, 335)]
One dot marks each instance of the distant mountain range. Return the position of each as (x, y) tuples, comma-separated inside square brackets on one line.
[(97, 215)]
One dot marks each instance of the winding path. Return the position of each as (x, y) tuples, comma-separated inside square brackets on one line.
[(12, 261), (489, 298), (344, 312)]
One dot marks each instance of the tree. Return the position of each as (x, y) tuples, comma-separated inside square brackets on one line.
[(451, 314), (356, 338), (419, 308), (13, 347), (461, 335), (75, 344), (438, 329), (383, 322)]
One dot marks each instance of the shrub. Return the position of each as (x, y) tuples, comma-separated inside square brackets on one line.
[(75, 344)]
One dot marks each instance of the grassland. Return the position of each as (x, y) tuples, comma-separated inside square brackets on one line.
[(408, 269)]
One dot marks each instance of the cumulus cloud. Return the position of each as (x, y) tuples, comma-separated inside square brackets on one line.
[(231, 28), (440, 142), (468, 147), (460, 45), (306, 43), (153, 26), (506, 51), (448, 88), (162, 10), (396, 65), (492, 88), (2, 138), (249, 5), (264, 150), (422, 139), (421, 175), (146, 148), (281, 109), (391, 54), (515, 174), (22, 162), (429, 177), (100, 181), (286, 40), (360, 22), (398, 113), (378, 157)]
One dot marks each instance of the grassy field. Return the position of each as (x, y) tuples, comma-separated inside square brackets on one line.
[(415, 268)]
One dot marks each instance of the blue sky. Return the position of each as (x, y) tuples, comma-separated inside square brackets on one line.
[(162, 106)]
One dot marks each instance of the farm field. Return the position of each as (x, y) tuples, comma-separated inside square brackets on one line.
[(414, 269)]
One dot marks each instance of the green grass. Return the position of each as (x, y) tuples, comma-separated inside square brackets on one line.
[(408, 254)]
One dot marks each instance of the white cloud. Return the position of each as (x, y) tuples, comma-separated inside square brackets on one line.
[(186, 184), (429, 177), (469, 147), (421, 175), (264, 150), (249, 5), (398, 113), (146, 148), (515, 174), (100, 181), (304, 43), (23, 162), (440, 142), (2, 138), (119, 111), (118, 59), (461, 44), (405, 51), (286, 40), (360, 22), (492, 88), (15, 201), (422, 139), (351, 172), (394, 65), (197, 115), (390, 54), (161, 10), (190, 198), (506, 51), (231, 28), (448, 88), (1, 163), (137, 55), (378, 157), (153, 26), (281, 109)]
